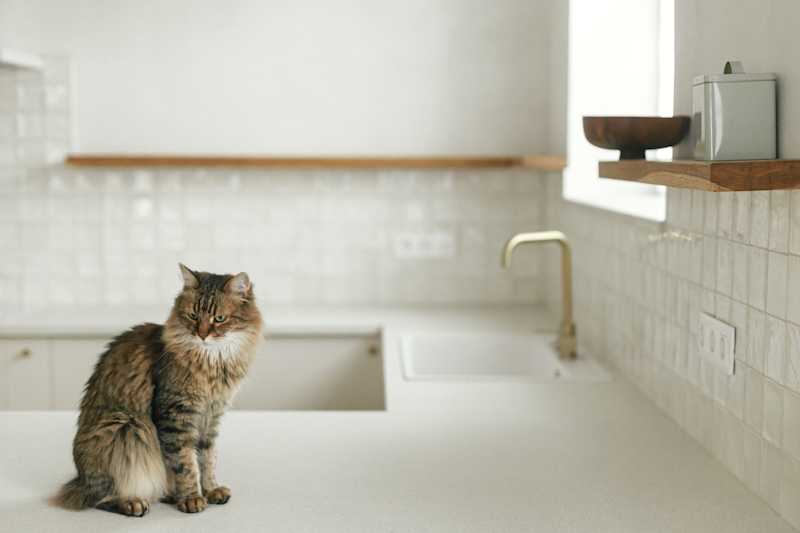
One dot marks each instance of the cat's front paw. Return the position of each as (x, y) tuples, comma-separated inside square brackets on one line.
[(219, 495), (192, 504)]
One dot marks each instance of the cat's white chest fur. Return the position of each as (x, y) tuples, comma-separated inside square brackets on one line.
[(223, 348)]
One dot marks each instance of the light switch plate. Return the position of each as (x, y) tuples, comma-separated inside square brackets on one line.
[(717, 342)]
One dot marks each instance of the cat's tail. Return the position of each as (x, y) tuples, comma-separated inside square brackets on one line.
[(76, 495)]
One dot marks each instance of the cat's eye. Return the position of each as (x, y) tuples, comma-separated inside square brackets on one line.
[(219, 319), (193, 316)]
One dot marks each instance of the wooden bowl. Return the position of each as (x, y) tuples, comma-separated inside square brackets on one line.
[(633, 135)]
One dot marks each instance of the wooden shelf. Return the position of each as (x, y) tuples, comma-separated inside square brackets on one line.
[(538, 162), (716, 176), (16, 59)]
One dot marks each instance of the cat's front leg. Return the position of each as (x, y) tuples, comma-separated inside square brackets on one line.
[(207, 456), (178, 441), (213, 491)]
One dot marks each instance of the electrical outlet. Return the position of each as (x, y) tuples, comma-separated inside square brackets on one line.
[(432, 245), (717, 342)]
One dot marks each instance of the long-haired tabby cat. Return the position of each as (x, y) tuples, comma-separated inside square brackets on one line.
[(151, 409)]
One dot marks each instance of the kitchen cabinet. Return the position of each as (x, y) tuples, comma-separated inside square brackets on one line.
[(290, 372), (25, 379)]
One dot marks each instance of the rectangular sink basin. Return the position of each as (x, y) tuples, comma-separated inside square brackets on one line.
[(315, 371), (493, 357)]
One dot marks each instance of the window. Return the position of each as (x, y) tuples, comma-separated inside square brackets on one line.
[(621, 62)]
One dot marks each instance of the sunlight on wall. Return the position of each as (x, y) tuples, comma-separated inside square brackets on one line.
[(621, 62)]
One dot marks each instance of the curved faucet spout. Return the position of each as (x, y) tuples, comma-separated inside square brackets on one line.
[(567, 339)]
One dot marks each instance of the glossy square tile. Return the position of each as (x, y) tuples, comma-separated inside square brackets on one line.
[(752, 460), (734, 444), (793, 289), (771, 474), (736, 393), (794, 222), (710, 213), (777, 268), (698, 211), (739, 271), (738, 319), (776, 349), (779, 221), (710, 263), (756, 340), (754, 400), (791, 423), (759, 218), (741, 217), (757, 278), (724, 214), (791, 369), (790, 490), (772, 429)]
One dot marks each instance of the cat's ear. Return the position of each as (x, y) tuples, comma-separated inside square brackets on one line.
[(239, 284), (189, 278)]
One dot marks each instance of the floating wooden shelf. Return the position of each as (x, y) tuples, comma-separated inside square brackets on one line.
[(539, 162), (16, 59), (716, 176)]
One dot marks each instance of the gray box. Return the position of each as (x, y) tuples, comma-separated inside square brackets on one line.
[(734, 115)]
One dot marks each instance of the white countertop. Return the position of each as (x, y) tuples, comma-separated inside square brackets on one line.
[(483, 457)]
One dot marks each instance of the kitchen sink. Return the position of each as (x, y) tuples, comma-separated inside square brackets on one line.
[(493, 357), (315, 371)]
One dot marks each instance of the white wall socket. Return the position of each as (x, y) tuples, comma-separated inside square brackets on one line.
[(434, 245), (717, 342)]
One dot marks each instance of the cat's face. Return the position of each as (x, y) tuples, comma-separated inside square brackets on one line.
[(214, 310)]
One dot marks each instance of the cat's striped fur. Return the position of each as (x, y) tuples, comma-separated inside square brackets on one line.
[(151, 409)]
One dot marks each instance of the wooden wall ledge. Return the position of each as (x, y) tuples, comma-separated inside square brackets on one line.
[(715, 176), (538, 162)]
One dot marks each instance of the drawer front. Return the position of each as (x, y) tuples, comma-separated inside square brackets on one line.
[(26, 378)]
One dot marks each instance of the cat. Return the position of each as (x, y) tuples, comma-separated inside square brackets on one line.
[(150, 411)]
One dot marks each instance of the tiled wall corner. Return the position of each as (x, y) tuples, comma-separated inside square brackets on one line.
[(639, 289)]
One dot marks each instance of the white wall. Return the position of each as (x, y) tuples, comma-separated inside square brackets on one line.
[(763, 34), (299, 77)]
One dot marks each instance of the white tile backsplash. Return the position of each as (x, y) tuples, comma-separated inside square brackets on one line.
[(321, 236), (743, 270)]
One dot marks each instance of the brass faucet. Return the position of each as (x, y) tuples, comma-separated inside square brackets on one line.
[(567, 342)]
